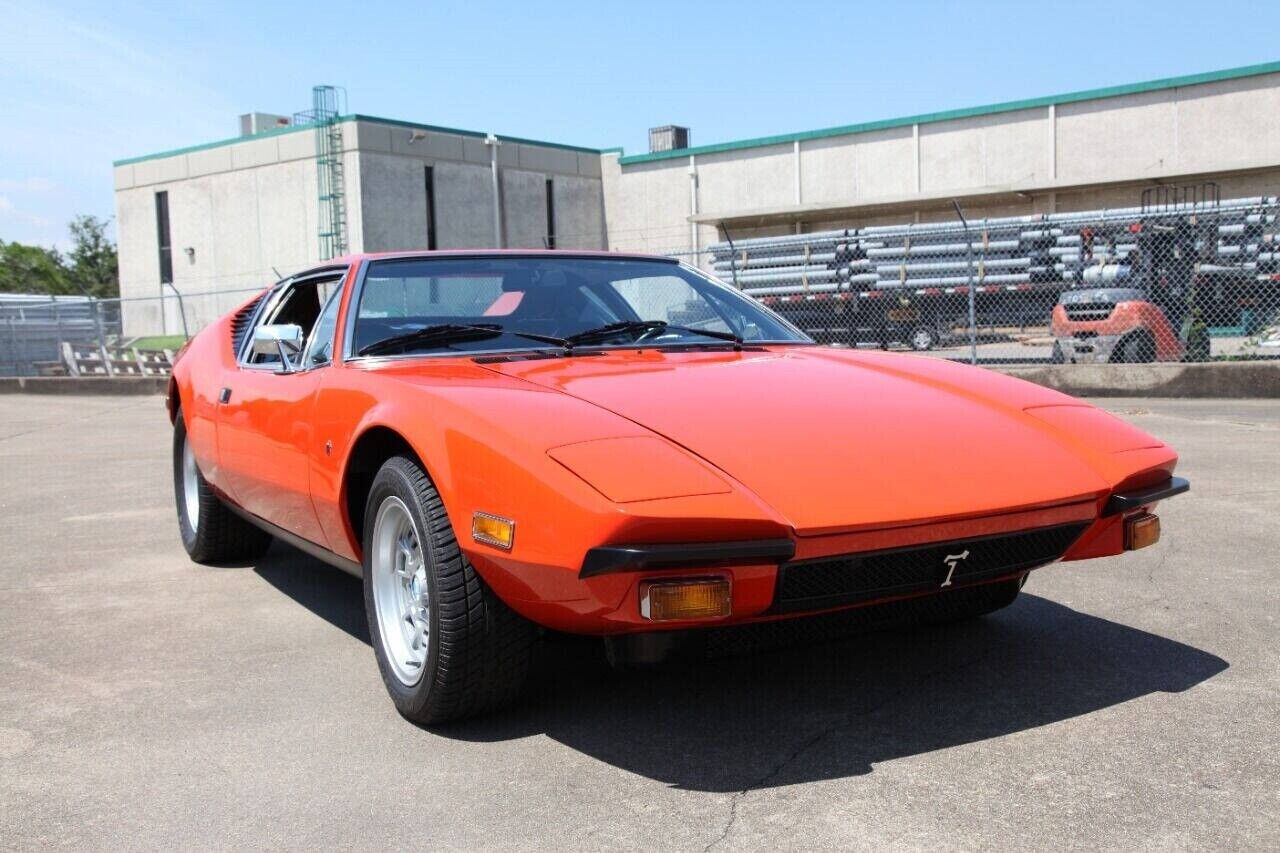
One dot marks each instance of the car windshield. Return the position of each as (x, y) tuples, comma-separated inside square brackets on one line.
[(478, 304)]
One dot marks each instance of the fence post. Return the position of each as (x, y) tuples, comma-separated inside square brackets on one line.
[(182, 310), (733, 263), (13, 344), (968, 254)]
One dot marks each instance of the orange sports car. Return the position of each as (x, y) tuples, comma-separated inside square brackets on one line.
[(621, 446)]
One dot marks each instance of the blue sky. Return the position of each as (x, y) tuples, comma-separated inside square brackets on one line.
[(82, 84)]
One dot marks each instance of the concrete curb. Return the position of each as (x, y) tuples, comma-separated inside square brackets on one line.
[(1232, 379), (114, 386)]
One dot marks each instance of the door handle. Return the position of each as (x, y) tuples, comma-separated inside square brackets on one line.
[(224, 396)]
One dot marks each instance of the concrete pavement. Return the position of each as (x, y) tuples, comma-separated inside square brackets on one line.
[(146, 702)]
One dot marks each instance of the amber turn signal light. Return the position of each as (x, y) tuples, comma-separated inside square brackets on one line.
[(701, 598), (1141, 531), (493, 530)]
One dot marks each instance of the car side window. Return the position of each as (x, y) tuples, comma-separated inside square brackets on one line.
[(304, 304), (320, 342)]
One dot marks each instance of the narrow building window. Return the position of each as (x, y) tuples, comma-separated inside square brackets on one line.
[(162, 235), (431, 207), (551, 215)]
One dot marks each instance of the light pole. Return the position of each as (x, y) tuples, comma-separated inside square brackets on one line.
[(493, 142), (968, 254)]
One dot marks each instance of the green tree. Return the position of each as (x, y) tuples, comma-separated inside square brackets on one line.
[(32, 269), (94, 267), (90, 268)]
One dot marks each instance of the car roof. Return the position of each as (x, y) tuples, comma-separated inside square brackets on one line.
[(501, 253)]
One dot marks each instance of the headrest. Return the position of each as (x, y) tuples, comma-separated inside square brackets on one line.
[(522, 281)]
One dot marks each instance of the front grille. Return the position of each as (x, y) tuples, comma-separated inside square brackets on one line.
[(1089, 311), (852, 578)]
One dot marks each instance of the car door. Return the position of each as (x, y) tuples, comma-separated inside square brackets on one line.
[(266, 433)]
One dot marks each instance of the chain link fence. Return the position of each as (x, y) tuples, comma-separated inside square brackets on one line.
[(38, 333), (1185, 276)]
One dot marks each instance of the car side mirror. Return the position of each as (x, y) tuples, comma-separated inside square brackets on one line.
[(283, 341)]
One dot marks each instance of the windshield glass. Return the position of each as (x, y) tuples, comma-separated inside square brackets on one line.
[(615, 302)]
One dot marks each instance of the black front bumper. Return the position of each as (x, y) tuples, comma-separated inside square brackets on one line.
[(846, 579), (1125, 501)]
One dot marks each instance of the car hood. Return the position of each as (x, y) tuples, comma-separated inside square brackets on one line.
[(839, 440)]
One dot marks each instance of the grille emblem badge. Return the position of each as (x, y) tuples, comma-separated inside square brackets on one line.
[(953, 560)]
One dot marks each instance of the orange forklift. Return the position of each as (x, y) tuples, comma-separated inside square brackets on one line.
[(1145, 290)]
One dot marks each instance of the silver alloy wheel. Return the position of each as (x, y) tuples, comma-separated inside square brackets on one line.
[(190, 485), (921, 339), (400, 595)]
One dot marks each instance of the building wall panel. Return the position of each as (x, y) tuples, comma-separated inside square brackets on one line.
[(1132, 136), (1246, 112), (829, 170), (393, 202), (524, 208), (885, 164), (759, 177), (464, 203), (579, 213)]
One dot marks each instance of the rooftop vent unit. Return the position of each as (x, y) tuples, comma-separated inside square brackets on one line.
[(669, 138), (251, 123)]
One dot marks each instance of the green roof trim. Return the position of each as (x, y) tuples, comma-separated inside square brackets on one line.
[(275, 131), (968, 112), (472, 133), (280, 131)]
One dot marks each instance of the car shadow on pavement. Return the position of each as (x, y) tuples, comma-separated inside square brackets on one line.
[(331, 594), (812, 711)]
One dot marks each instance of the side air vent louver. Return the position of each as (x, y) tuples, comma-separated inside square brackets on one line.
[(240, 324)]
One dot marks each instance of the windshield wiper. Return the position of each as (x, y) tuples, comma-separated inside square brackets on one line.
[(608, 331), (649, 326), (444, 334), (441, 334), (732, 337)]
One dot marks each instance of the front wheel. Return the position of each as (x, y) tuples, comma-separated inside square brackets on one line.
[(1138, 348), (446, 645), (923, 339), (211, 533)]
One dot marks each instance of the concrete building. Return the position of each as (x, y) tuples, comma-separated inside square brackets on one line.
[(238, 211), (215, 220), (1078, 151)]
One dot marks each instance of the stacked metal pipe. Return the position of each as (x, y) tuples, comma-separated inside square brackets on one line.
[(1052, 251)]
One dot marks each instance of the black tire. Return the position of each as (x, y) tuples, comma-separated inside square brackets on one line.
[(923, 339), (219, 535), (1138, 348), (479, 650)]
